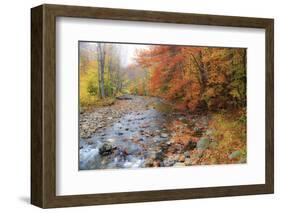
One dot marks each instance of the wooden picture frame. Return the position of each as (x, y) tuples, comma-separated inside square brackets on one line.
[(43, 105)]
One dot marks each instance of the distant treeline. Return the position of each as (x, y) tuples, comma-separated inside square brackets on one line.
[(192, 78)]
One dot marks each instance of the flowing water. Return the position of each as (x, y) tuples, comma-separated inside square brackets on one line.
[(131, 138)]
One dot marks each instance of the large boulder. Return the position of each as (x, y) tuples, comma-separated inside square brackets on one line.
[(106, 149)]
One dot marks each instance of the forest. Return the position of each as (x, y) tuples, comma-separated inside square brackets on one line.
[(184, 104)]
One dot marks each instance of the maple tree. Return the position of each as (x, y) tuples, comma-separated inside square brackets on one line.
[(196, 78)]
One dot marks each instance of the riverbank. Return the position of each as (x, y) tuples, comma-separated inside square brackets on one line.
[(139, 131)]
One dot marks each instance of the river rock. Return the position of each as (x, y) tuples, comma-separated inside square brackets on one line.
[(85, 136), (148, 162), (234, 155), (203, 143), (209, 132), (178, 164), (156, 164), (110, 140), (106, 149), (243, 160), (169, 162), (157, 139), (176, 157), (169, 143), (186, 154), (181, 158), (187, 161), (164, 146), (164, 135), (101, 125), (156, 155)]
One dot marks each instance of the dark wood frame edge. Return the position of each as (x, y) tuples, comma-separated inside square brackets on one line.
[(43, 105)]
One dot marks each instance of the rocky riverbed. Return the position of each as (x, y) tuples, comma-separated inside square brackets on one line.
[(138, 132)]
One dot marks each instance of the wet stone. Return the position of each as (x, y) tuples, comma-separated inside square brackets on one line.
[(106, 149), (169, 162), (164, 135)]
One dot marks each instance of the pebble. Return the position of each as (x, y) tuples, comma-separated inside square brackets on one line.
[(168, 162), (181, 158), (178, 164), (187, 154), (187, 162), (163, 135)]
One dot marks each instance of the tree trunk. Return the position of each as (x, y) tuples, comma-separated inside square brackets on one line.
[(110, 74), (202, 72), (101, 62)]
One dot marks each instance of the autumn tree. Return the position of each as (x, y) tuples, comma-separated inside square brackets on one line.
[(196, 78), (226, 84)]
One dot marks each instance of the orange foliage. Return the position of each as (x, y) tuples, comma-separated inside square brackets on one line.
[(192, 77)]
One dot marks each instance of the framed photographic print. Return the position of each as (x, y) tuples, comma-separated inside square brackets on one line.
[(137, 106)]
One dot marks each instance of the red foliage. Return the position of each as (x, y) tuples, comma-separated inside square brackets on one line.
[(188, 76)]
